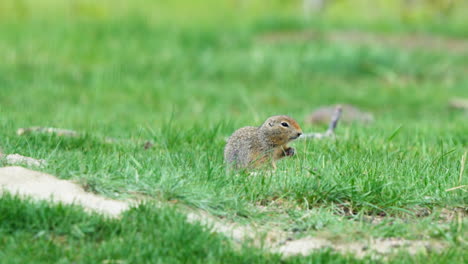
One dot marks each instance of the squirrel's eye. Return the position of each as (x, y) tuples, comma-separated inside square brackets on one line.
[(284, 124)]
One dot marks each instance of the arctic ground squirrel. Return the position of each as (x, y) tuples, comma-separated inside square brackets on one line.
[(252, 147)]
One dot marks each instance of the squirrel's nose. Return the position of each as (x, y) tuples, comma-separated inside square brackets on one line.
[(299, 134)]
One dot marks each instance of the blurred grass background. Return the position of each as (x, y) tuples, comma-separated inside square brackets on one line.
[(445, 16), (186, 74), (168, 53)]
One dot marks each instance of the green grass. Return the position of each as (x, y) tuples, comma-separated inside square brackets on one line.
[(63, 234), (146, 234), (187, 87)]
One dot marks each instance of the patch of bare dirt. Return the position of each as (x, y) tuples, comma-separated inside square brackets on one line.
[(448, 215), (41, 186), (279, 241), (376, 247), (407, 41), (239, 233)]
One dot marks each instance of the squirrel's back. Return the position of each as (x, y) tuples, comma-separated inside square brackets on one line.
[(240, 145)]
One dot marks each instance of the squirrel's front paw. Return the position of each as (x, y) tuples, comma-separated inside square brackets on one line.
[(289, 152)]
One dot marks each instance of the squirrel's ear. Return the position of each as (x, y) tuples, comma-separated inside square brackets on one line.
[(271, 124)]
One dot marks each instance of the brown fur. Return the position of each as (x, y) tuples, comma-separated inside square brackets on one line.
[(251, 147)]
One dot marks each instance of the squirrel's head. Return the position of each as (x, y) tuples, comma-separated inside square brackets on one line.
[(279, 130)]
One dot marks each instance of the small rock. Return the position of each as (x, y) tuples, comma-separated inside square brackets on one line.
[(47, 130), (19, 159), (303, 246)]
